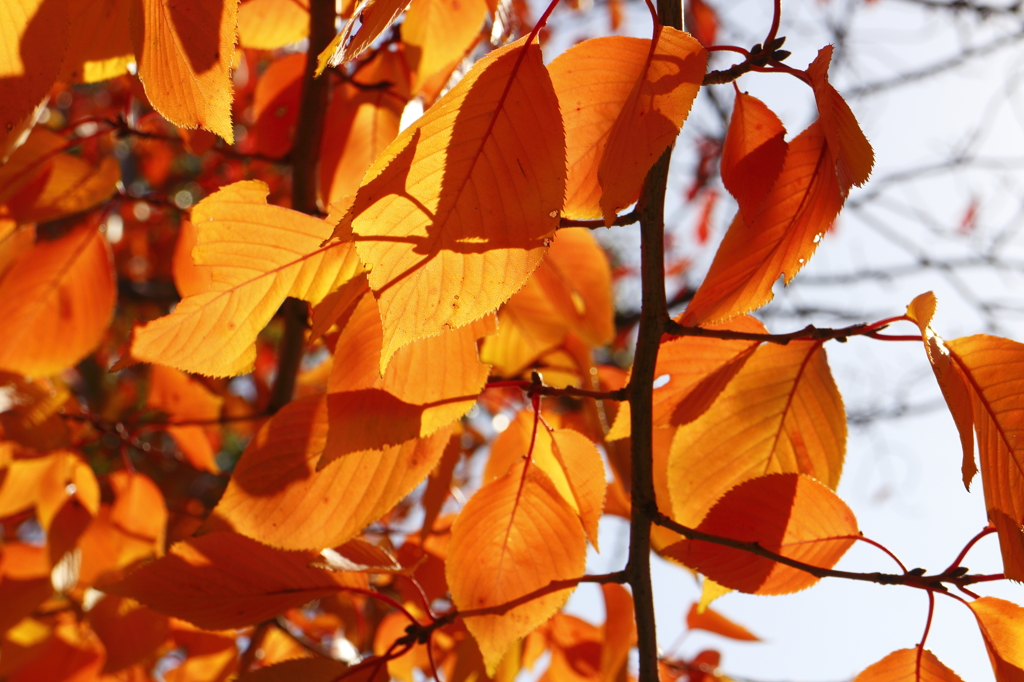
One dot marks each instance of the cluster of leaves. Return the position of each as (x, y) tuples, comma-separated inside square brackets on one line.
[(450, 282)]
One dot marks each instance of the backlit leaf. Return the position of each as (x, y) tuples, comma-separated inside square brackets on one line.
[(318, 669), (258, 254), (57, 301), (428, 384), (782, 413), (992, 369), (184, 399), (713, 621), (184, 53), (454, 216), (514, 536), (375, 17), (40, 148), (753, 153), (651, 116), (789, 514), (1002, 626), (100, 45), (270, 24), (908, 665), (619, 631), (275, 104), (951, 380), (33, 38), (851, 150), (277, 495), (67, 185), (777, 240), (225, 580), (438, 33)]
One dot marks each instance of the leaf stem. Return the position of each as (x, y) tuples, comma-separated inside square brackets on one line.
[(808, 333)]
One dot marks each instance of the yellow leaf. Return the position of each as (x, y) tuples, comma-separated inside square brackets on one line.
[(1002, 626), (515, 536), (428, 384), (712, 621), (375, 17), (33, 38), (277, 494), (908, 665), (258, 255), (100, 45), (454, 216), (270, 24), (56, 301), (782, 413), (438, 33), (184, 53), (651, 116)]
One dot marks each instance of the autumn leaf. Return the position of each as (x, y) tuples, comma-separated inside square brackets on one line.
[(58, 300), (100, 45), (375, 17), (1002, 626), (618, 631), (270, 24), (129, 631), (275, 104), (851, 150), (318, 669), (952, 382), (908, 665), (184, 53), (776, 241), (184, 399), (605, 90), (454, 216), (61, 185), (438, 33), (278, 496), (225, 580), (369, 411), (515, 536), (781, 413), (789, 514), (754, 152), (257, 255), (33, 38), (713, 621)]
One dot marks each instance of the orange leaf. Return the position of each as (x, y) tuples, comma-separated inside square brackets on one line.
[(438, 33), (100, 45), (778, 240), (515, 536), (375, 17), (850, 149), (184, 53), (270, 24), (904, 666), (952, 382), (619, 631), (33, 38), (258, 254), (185, 399), (455, 215), (275, 104), (57, 301), (224, 580), (570, 291), (595, 81), (428, 384), (713, 621), (789, 514), (992, 369), (651, 116), (130, 632), (28, 160), (190, 279), (318, 670), (754, 152), (1002, 626), (24, 581), (67, 185), (139, 509), (277, 496), (359, 125), (782, 413)]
